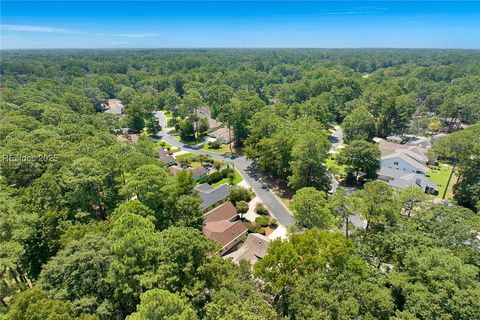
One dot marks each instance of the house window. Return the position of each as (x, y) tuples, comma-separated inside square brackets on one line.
[(396, 163)]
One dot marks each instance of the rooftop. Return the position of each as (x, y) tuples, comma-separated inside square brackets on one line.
[(254, 248), (210, 195), (225, 211), (224, 231)]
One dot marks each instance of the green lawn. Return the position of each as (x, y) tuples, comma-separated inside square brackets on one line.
[(440, 175), (195, 164), (162, 144), (186, 156), (192, 142), (333, 166), (223, 148), (238, 178)]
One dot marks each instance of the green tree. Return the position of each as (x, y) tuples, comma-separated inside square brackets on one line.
[(358, 125), (147, 185), (35, 304), (361, 157), (376, 204), (135, 118), (308, 164), (89, 257), (161, 304), (312, 210)]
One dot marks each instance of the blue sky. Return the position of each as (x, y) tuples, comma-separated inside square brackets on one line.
[(178, 24)]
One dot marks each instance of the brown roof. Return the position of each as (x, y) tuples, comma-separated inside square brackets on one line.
[(224, 231), (197, 172), (257, 244), (254, 248), (225, 211)]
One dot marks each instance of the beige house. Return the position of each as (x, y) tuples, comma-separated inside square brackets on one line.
[(254, 249), (221, 225)]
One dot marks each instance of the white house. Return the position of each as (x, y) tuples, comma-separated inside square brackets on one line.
[(403, 162)]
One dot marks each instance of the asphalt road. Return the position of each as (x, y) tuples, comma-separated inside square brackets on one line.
[(254, 178)]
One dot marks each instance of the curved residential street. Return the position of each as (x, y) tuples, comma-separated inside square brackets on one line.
[(245, 167)]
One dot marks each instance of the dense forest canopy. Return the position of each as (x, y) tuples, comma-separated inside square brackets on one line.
[(92, 228)]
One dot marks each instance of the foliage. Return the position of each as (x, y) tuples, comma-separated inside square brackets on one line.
[(261, 209), (361, 157), (237, 194), (161, 304), (311, 209)]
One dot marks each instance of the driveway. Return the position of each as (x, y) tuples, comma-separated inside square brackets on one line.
[(248, 171), (336, 138)]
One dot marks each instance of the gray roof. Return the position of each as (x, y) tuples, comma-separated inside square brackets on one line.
[(405, 157), (402, 179), (164, 156), (396, 138), (210, 195), (419, 142)]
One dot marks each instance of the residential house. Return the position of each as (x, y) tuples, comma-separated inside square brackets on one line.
[(401, 179), (221, 225), (225, 211), (115, 107), (396, 139), (210, 195), (165, 156), (197, 172), (254, 249), (222, 135), (403, 162), (204, 112)]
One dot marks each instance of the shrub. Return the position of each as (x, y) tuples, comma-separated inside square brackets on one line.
[(261, 221), (252, 228), (214, 177), (242, 207), (237, 194), (261, 231), (225, 172), (272, 222), (214, 144), (261, 209)]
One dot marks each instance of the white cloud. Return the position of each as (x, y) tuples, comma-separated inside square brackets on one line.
[(31, 28), (47, 29), (135, 35)]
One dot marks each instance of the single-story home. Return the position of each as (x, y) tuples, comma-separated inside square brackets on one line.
[(197, 172), (128, 137), (225, 211), (165, 156), (403, 162), (402, 179), (396, 139), (115, 107), (419, 151), (222, 135), (254, 249), (204, 112), (221, 225), (210, 195)]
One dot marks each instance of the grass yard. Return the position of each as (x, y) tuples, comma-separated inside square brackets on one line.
[(440, 175), (333, 166), (223, 148), (238, 178), (162, 144), (186, 156), (190, 143), (195, 164)]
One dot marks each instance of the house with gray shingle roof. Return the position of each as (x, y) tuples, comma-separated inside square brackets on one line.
[(210, 195)]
